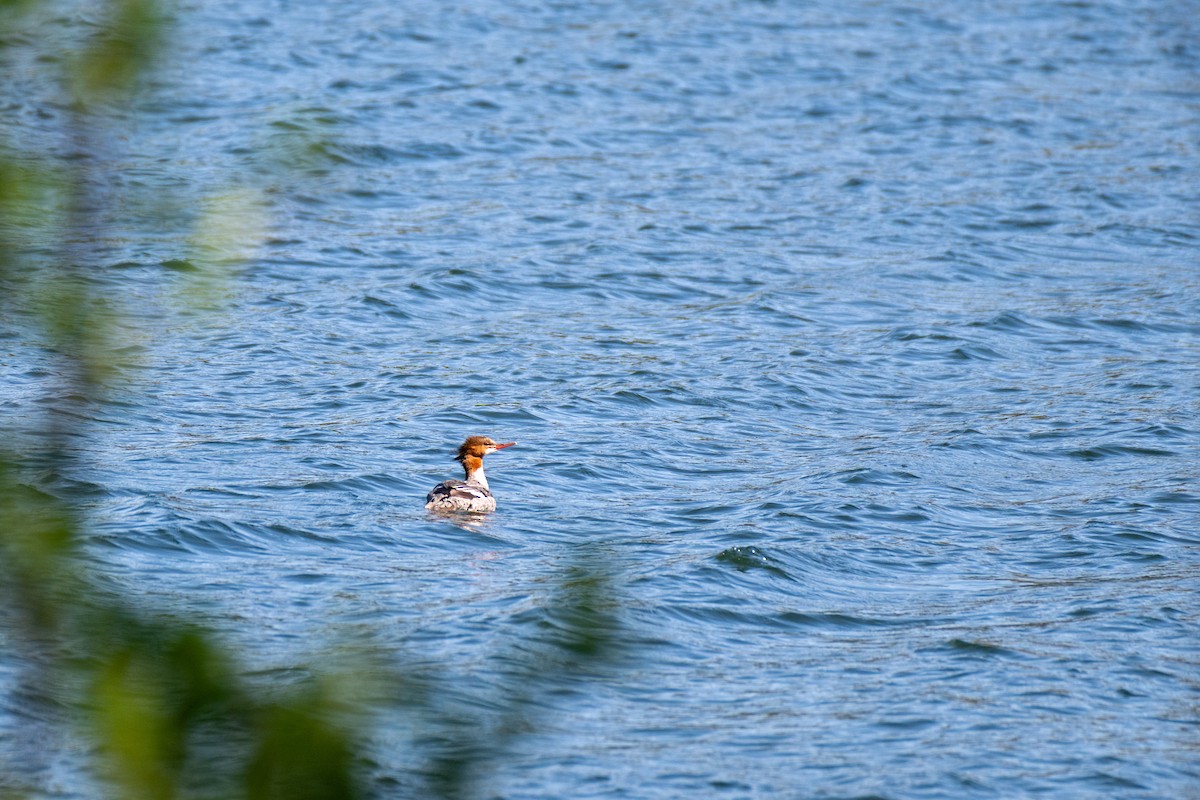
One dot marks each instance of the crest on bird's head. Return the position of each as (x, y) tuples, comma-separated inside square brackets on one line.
[(478, 447)]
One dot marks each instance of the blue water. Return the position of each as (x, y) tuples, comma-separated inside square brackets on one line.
[(856, 342)]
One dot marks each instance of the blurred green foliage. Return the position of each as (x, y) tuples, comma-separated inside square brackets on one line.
[(168, 710), (119, 52)]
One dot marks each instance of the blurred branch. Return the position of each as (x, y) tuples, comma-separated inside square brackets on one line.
[(121, 51), (582, 636)]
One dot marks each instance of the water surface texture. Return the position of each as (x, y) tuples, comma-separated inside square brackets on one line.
[(857, 341)]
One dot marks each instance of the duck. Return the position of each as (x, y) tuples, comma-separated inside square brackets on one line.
[(472, 495)]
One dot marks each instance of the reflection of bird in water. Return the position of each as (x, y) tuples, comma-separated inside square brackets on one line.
[(471, 495)]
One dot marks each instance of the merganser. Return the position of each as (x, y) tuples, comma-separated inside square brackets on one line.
[(472, 494)]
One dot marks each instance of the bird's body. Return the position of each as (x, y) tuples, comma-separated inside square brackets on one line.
[(472, 495), (469, 496)]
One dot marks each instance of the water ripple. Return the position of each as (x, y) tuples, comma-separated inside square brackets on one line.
[(858, 340)]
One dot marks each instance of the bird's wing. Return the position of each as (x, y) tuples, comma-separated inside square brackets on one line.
[(447, 489)]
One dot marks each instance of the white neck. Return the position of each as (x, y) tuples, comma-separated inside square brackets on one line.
[(477, 476)]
